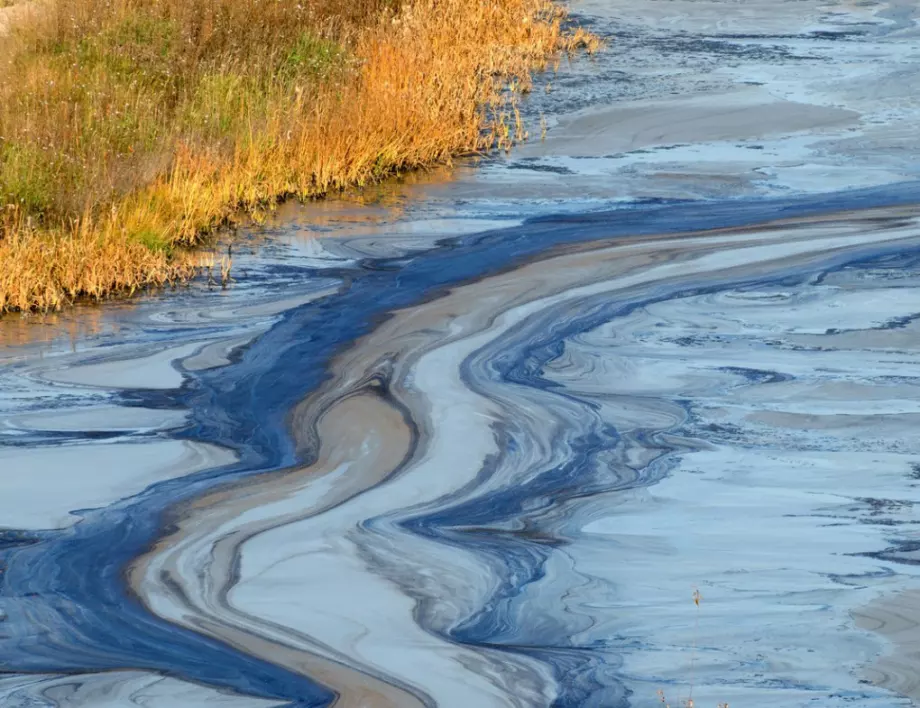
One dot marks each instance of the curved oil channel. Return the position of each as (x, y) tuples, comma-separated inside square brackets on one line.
[(476, 442)]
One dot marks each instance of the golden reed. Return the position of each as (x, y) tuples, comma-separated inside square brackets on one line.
[(130, 129)]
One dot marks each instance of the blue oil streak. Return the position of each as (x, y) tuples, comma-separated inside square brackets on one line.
[(69, 609)]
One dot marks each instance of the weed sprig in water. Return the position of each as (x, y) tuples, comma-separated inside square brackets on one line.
[(688, 701)]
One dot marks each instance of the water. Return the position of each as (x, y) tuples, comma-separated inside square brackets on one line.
[(476, 438)]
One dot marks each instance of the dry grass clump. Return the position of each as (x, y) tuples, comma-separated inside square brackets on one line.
[(129, 128), (46, 270)]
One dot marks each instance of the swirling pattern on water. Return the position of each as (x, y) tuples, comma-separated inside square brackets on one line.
[(489, 474)]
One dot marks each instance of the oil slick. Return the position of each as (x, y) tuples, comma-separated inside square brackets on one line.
[(478, 449)]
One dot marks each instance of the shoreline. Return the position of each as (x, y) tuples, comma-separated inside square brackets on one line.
[(380, 95)]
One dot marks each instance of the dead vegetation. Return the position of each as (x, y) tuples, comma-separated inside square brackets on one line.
[(131, 128)]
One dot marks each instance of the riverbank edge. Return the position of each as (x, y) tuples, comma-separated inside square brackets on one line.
[(127, 246)]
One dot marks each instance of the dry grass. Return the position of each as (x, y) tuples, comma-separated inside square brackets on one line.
[(688, 702), (130, 128)]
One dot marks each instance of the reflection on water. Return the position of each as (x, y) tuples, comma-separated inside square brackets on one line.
[(38, 334)]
